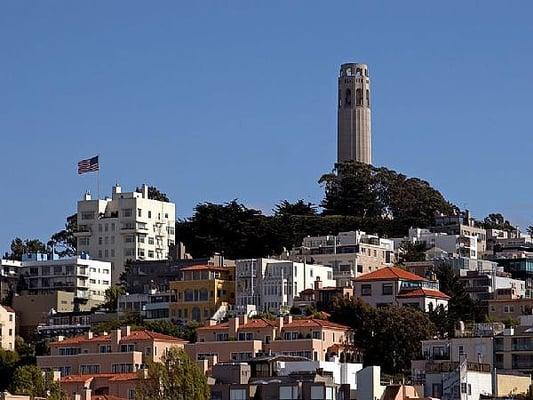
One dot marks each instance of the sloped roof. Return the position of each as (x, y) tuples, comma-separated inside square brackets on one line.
[(389, 274), (133, 336), (314, 322), (205, 268), (423, 292), (8, 309)]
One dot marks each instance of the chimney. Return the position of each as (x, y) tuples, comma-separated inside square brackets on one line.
[(245, 319), (60, 338), (289, 319), (87, 196), (233, 327), (86, 394), (125, 331), (145, 191), (211, 322), (117, 189), (116, 336), (318, 283), (89, 335), (280, 324)]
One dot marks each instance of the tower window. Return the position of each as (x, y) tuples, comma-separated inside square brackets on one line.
[(359, 97), (348, 98), (368, 98)]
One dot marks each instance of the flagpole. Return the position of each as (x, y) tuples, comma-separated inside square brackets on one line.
[(98, 178)]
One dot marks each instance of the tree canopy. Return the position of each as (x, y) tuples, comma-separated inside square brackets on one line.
[(155, 194), (64, 242), (30, 380), (388, 336), (176, 377), (19, 247)]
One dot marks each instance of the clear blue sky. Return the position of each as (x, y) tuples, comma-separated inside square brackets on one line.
[(212, 101)]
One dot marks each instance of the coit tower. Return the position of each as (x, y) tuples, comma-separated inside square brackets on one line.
[(354, 134)]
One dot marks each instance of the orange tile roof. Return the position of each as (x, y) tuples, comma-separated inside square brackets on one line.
[(257, 323), (314, 322), (133, 336), (389, 274), (423, 292), (126, 376), (223, 325), (106, 397)]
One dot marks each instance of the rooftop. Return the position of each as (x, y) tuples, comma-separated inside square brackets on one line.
[(423, 292), (133, 336), (389, 274)]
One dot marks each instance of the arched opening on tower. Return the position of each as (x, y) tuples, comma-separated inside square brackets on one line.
[(348, 98), (367, 98), (359, 97)]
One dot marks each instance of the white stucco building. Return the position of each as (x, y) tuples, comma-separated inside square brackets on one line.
[(7, 328), (349, 254), (87, 279), (271, 285), (127, 226)]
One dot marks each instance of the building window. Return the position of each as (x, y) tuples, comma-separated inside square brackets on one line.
[(387, 289), (366, 290), (127, 212), (89, 369), (139, 212), (238, 394), (87, 215), (149, 214)]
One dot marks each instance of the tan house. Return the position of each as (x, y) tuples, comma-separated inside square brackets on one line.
[(503, 309), (7, 326), (121, 351), (241, 339), (396, 286)]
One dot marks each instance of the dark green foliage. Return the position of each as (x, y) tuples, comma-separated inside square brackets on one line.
[(64, 242), (389, 336), (359, 196), (9, 361), (298, 208), (187, 332), (155, 194), (176, 377), (497, 221), (365, 191), (20, 247), (461, 307), (410, 252), (111, 297), (29, 380)]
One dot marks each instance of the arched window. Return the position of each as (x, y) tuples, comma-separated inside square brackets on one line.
[(358, 72), (359, 97), (196, 314), (348, 98)]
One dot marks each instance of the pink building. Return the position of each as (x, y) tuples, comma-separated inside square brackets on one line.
[(241, 339), (396, 286), (121, 351), (100, 386)]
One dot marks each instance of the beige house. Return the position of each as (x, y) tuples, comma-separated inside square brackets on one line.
[(7, 326), (396, 286), (121, 351), (241, 339)]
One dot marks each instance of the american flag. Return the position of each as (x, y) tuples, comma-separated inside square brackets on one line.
[(89, 165)]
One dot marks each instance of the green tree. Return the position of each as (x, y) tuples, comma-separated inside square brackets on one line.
[(176, 377), (300, 207), (187, 332), (409, 252), (530, 230), (20, 247), (389, 336), (111, 297), (497, 221), (25, 350), (8, 363), (29, 380), (64, 242)]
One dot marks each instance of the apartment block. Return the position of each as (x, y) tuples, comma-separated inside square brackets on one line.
[(126, 227), (271, 285), (88, 279), (462, 224), (241, 339), (395, 286), (349, 254), (9, 274), (121, 351), (201, 292)]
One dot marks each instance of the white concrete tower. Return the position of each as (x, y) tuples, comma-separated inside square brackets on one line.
[(354, 133)]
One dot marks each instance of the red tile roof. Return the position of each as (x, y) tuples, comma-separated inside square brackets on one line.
[(106, 397), (423, 292), (133, 336), (127, 376), (389, 274), (8, 309), (252, 323), (314, 322)]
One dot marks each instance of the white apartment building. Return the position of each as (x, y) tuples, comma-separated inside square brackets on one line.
[(87, 279), (127, 226), (453, 245), (349, 254), (271, 285)]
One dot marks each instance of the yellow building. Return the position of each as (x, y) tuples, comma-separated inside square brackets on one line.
[(201, 292)]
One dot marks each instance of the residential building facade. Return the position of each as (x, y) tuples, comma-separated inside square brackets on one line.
[(121, 351), (271, 285), (349, 254), (126, 227), (395, 286), (7, 328)]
